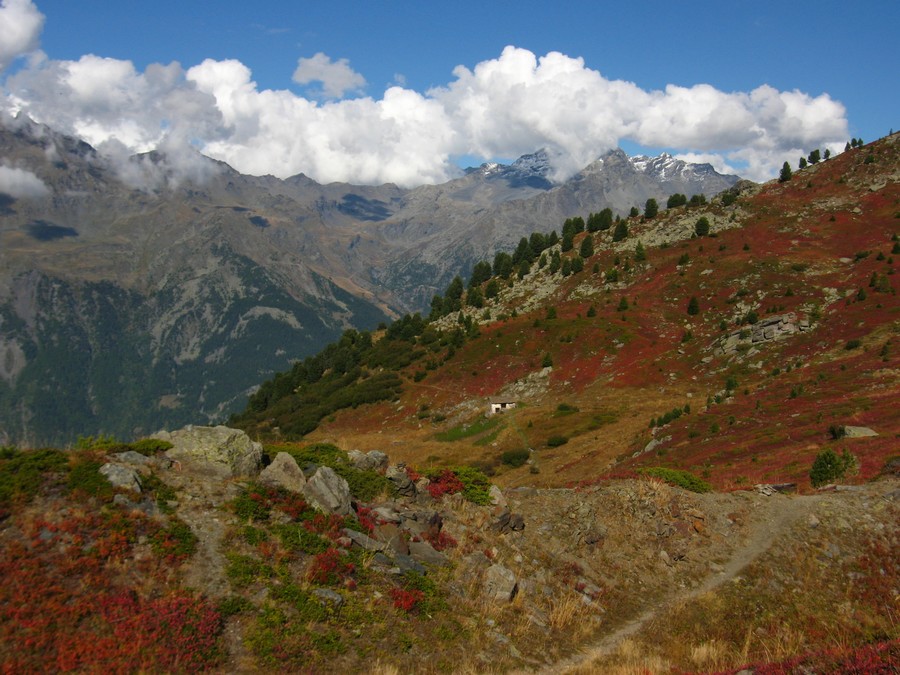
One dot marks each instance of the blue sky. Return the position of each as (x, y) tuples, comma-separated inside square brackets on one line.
[(828, 68)]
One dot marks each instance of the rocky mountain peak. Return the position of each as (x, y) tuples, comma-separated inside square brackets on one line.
[(666, 167)]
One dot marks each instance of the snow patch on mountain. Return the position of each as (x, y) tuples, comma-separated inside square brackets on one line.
[(666, 168)]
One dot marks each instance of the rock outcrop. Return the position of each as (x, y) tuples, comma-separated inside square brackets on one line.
[(224, 451), (283, 472), (765, 330), (328, 492)]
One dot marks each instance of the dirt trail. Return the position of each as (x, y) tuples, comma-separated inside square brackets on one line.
[(199, 505), (774, 520)]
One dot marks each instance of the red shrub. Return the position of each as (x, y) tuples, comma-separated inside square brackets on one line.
[(292, 504), (406, 599), (447, 483), (329, 568), (330, 526), (440, 541), (65, 601), (366, 518)]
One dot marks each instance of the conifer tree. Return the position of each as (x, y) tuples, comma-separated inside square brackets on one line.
[(786, 173), (587, 247), (640, 255), (701, 227)]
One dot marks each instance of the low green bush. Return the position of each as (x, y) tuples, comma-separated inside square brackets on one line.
[(252, 504), (830, 466), (295, 537), (683, 479), (23, 472), (150, 446), (476, 486), (176, 539), (85, 477), (556, 441), (515, 458), (242, 570)]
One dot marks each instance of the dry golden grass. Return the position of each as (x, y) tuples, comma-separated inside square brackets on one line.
[(709, 655), (568, 611), (629, 658), (586, 454)]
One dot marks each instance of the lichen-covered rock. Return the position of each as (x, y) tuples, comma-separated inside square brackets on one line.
[(370, 461), (121, 477), (328, 492), (283, 472), (228, 452)]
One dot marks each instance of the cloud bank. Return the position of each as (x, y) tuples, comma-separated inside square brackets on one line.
[(502, 108), (20, 27), (20, 183)]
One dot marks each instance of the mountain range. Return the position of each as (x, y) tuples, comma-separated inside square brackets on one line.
[(134, 297), (661, 443)]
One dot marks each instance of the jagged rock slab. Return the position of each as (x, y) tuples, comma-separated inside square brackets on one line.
[(328, 492), (283, 472)]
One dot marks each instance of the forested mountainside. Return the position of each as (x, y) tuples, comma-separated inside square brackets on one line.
[(133, 297)]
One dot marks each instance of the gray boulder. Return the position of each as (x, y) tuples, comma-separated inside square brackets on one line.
[(497, 498), (500, 583), (227, 452), (121, 477), (509, 522), (426, 553), (328, 597), (402, 482), (283, 472), (371, 461), (364, 541), (393, 537), (132, 457), (328, 492), (858, 432)]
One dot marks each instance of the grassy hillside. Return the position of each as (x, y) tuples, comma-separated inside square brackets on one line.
[(656, 379), (625, 349)]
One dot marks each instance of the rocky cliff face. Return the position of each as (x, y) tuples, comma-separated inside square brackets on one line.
[(124, 310), (134, 297)]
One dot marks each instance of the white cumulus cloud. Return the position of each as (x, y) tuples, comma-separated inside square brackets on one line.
[(20, 27), (21, 184), (500, 108), (337, 77)]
